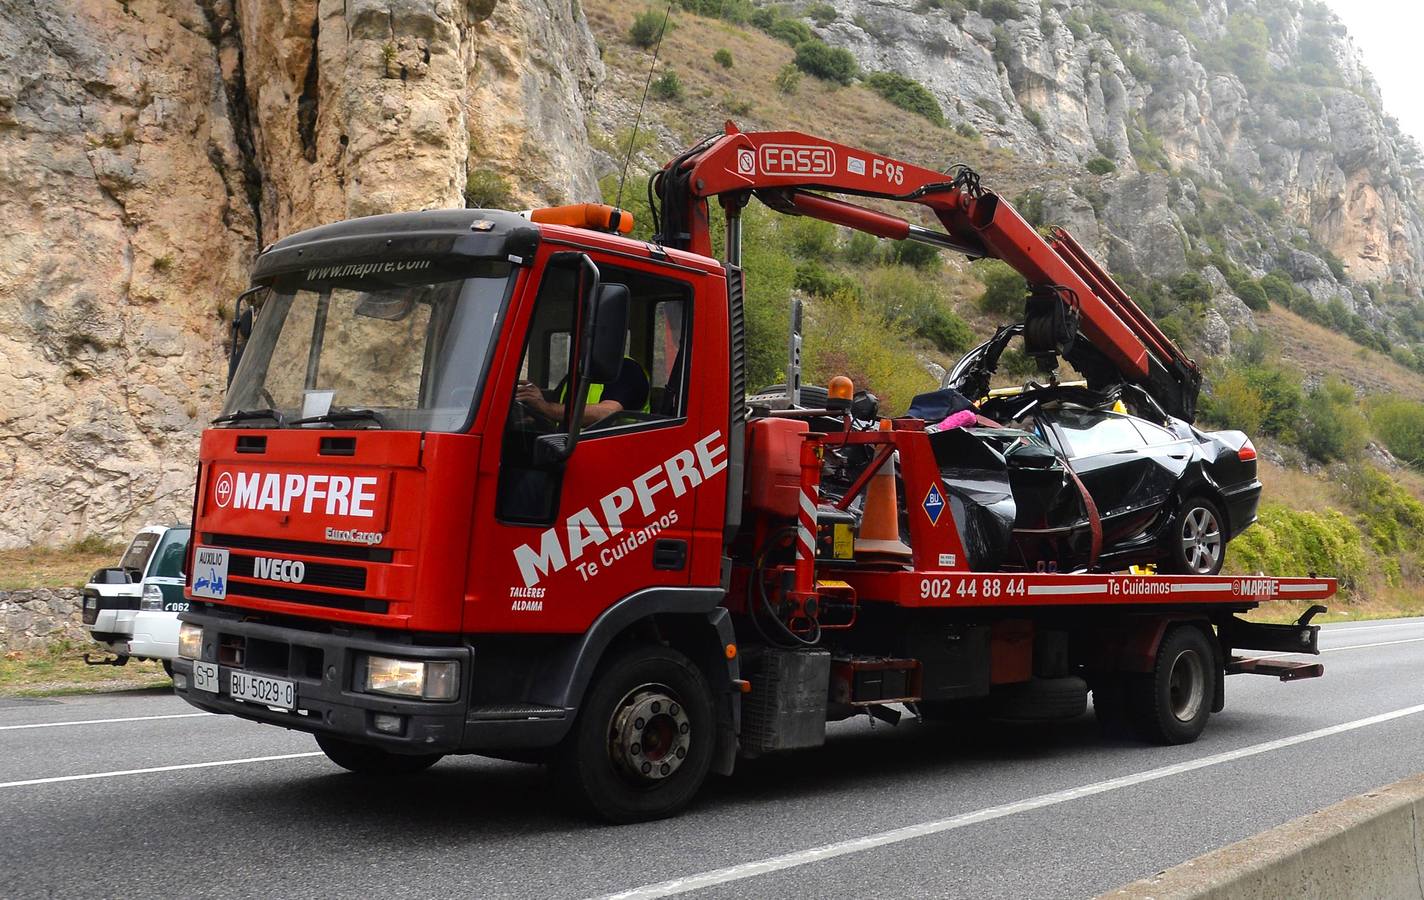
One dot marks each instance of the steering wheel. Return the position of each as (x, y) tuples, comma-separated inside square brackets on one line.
[(529, 418)]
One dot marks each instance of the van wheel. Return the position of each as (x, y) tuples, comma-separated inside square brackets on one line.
[(1170, 704), (364, 760), (643, 741), (1196, 542)]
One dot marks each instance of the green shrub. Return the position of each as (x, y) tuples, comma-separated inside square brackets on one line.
[(1278, 287), (822, 13), (647, 28), (861, 248), (904, 296), (1333, 426), (1000, 10), (788, 79), (964, 129), (835, 64), (1399, 423), (1034, 117), (810, 238), (1101, 165), (1189, 289), (790, 31), (1253, 295), (847, 337), (913, 253), (906, 93), (738, 12), (1234, 403), (1393, 517), (1004, 288), (1285, 541), (487, 189), (723, 58), (1279, 389), (667, 86), (816, 279)]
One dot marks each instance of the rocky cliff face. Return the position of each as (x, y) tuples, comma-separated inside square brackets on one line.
[(1260, 109), (148, 148)]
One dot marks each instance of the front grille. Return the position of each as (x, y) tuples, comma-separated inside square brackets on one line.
[(298, 548), (322, 574), (310, 598)]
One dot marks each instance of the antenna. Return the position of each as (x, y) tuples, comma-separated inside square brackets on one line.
[(633, 140)]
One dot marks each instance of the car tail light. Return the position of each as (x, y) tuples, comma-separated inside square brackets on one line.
[(1247, 451)]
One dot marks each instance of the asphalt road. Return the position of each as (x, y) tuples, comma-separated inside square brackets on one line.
[(135, 794)]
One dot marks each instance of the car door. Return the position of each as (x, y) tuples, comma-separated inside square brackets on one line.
[(1109, 455)]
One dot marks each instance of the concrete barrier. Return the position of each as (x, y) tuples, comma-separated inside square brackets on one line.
[(1369, 847)]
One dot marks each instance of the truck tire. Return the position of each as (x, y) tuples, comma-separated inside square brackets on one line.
[(1196, 539), (364, 760), (1041, 700), (1170, 704), (644, 738)]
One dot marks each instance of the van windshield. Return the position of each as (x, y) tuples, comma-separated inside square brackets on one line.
[(392, 345)]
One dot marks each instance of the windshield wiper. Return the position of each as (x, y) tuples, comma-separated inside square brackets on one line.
[(244, 415), (345, 415)]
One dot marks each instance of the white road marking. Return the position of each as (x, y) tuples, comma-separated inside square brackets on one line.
[(202, 765), (1346, 647), (1342, 627), (103, 721), (924, 829)]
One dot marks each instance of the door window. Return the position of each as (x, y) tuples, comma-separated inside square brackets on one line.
[(1091, 433), (650, 389)]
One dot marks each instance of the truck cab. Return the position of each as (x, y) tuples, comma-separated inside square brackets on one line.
[(389, 547)]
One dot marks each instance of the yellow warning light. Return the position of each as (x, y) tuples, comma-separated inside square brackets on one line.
[(598, 216), (839, 392)]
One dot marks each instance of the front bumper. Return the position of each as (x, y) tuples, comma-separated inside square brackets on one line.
[(323, 666)]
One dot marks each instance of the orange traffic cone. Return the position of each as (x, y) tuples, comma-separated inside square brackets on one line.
[(880, 516)]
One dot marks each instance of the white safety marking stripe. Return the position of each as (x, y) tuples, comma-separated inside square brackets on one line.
[(1184, 588), (103, 721), (925, 829), (1301, 588), (808, 506), (1051, 589), (177, 768), (805, 534)]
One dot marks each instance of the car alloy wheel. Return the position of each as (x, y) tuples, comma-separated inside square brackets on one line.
[(1201, 540)]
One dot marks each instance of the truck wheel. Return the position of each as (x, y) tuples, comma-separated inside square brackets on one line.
[(1041, 699), (642, 744), (1170, 704), (364, 760), (1196, 544)]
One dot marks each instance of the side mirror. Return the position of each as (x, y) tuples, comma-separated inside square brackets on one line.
[(1032, 456), (607, 333), (242, 318), (552, 450)]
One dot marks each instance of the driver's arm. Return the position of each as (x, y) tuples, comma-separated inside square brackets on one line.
[(530, 394)]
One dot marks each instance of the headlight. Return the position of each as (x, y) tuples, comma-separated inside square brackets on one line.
[(152, 598), (190, 641), (438, 680)]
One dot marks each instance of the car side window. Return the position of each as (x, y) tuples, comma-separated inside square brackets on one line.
[(1091, 433)]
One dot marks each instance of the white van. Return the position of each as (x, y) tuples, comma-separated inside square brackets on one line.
[(132, 609)]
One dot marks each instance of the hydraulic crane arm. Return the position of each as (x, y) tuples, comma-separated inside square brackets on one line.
[(1069, 292)]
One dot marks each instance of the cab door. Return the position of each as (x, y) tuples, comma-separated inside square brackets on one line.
[(557, 544)]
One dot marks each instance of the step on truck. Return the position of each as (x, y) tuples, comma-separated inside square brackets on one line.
[(493, 483)]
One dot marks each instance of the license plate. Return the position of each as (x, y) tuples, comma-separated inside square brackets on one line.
[(259, 689), (205, 677)]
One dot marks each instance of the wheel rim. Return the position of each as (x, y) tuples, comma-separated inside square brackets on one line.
[(649, 734), (1201, 540), (1186, 685)]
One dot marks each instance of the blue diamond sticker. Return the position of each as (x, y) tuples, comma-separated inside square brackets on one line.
[(934, 504)]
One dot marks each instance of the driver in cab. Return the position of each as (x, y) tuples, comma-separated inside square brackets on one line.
[(628, 391)]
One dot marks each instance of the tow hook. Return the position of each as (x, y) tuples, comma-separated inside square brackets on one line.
[(1315, 610), (116, 661)]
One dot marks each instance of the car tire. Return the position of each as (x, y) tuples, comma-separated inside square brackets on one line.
[(643, 741), (1196, 539), (167, 666), (1171, 704), (364, 760)]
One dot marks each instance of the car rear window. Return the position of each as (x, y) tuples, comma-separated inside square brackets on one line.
[(136, 557), (1093, 433)]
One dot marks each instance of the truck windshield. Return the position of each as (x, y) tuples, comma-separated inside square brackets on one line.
[(393, 345)]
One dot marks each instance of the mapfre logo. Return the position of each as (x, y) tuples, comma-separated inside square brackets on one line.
[(797, 159), (222, 491)]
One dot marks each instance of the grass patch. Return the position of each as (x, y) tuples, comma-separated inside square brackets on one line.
[(56, 567), (61, 670)]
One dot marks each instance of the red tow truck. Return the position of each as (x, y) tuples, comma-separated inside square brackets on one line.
[(490, 483)]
